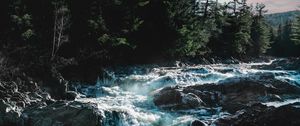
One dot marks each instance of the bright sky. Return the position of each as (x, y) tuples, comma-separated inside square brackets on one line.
[(275, 6)]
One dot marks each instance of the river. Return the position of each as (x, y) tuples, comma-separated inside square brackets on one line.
[(125, 98)]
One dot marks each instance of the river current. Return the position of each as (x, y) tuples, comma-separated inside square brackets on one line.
[(125, 98)]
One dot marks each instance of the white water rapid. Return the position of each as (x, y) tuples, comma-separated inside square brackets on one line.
[(126, 98)]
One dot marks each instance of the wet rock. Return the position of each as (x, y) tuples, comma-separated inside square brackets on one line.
[(9, 114), (208, 98), (170, 98), (232, 95), (198, 123), (70, 95), (231, 61), (39, 99), (191, 100), (63, 114), (281, 64), (261, 115)]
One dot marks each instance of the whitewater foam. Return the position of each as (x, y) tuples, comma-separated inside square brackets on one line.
[(126, 99)]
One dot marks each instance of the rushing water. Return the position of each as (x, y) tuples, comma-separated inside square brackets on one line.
[(125, 99)]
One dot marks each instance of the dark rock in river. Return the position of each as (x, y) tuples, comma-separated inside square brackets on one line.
[(198, 123), (63, 114), (261, 115), (170, 98), (70, 95), (232, 95)]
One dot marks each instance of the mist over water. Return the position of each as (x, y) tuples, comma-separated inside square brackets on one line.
[(125, 98)]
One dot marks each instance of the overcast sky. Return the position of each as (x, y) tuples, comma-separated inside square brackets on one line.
[(275, 6)]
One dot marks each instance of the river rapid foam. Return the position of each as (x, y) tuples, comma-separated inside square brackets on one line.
[(125, 97)]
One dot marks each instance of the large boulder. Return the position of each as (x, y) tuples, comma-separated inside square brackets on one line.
[(261, 115), (197, 123), (9, 114), (13, 99), (63, 114), (232, 95), (171, 98)]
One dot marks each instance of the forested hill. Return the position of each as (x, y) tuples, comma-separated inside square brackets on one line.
[(281, 18)]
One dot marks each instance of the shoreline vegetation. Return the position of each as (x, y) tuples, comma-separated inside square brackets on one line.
[(45, 46)]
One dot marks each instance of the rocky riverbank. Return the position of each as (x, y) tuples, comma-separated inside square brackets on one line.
[(243, 98), (243, 92), (262, 115), (232, 94)]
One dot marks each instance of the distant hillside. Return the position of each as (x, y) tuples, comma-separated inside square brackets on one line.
[(280, 18)]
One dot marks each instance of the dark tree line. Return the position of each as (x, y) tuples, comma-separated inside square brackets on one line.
[(287, 39), (140, 30)]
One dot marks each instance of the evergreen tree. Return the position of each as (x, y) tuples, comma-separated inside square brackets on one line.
[(236, 29), (284, 46), (192, 33), (260, 32), (242, 36), (275, 47), (142, 30), (295, 33), (220, 36)]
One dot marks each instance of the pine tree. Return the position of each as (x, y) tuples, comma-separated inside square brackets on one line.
[(260, 33), (295, 33), (283, 45), (188, 19), (241, 28)]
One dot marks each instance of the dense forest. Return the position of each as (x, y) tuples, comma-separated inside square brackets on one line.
[(139, 30), (55, 51), (80, 37)]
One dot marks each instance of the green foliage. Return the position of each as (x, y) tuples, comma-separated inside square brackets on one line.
[(21, 21), (192, 34), (241, 41), (149, 29), (192, 41), (143, 3), (295, 33), (260, 32), (233, 37), (264, 38), (284, 45), (242, 36), (27, 34), (110, 23)]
